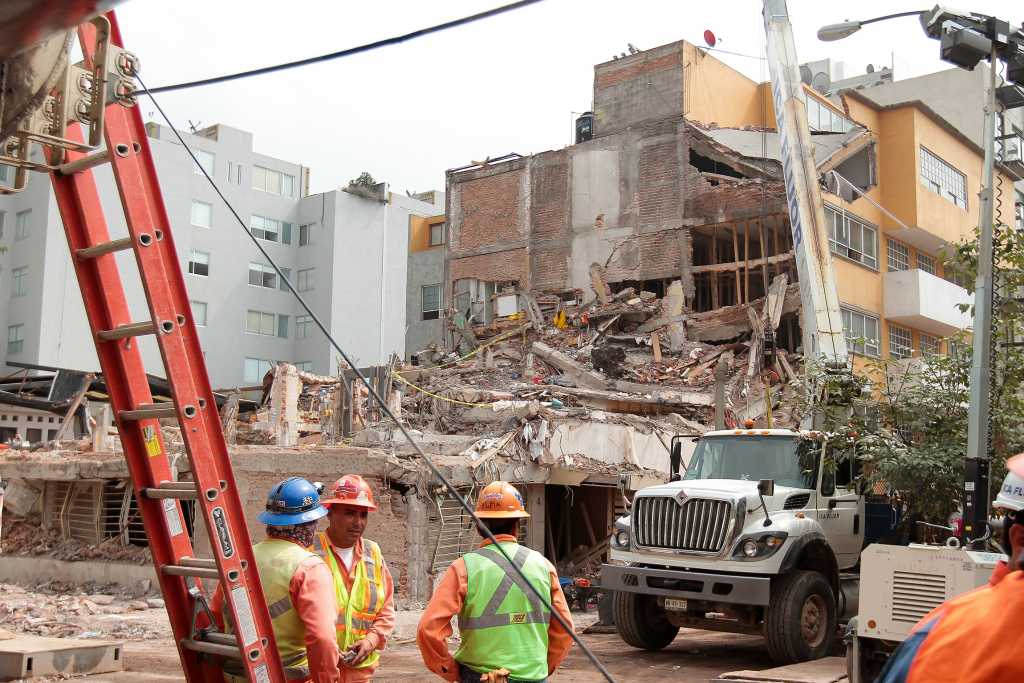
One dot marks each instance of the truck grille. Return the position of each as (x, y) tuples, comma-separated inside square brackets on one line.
[(698, 524), (915, 595)]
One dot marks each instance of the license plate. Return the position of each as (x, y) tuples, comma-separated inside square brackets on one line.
[(675, 604)]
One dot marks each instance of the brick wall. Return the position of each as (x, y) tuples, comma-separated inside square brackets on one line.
[(732, 201), (549, 195), (612, 74), (549, 266), (659, 185), (490, 211), (497, 267)]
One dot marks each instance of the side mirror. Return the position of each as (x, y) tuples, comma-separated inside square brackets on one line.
[(675, 459), (766, 487)]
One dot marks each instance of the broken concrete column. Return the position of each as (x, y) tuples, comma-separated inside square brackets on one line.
[(284, 405), (672, 307), (418, 554), (569, 367), (597, 281)]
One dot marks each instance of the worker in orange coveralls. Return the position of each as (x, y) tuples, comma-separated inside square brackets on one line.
[(970, 639), (297, 586), (364, 589), (502, 623)]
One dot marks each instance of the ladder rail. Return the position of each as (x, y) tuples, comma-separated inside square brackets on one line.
[(218, 502)]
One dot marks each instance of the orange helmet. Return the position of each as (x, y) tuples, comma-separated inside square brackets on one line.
[(499, 500), (350, 490)]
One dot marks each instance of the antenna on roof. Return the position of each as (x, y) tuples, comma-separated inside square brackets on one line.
[(194, 126)]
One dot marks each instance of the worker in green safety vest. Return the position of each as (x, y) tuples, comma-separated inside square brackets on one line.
[(502, 622)]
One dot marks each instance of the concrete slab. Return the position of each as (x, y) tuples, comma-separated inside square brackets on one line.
[(826, 670), (32, 656), (29, 569)]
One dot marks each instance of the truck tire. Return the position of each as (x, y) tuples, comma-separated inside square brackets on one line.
[(641, 622), (801, 621)]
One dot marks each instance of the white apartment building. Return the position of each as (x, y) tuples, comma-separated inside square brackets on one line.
[(347, 255)]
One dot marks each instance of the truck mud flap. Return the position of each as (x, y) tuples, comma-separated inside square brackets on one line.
[(743, 590)]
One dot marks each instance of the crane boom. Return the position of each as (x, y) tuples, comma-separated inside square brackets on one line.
[(822, 321)]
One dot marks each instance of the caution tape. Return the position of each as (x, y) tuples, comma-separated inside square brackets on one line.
[(438, 396)]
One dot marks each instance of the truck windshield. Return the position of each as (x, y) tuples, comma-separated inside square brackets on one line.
[(789, 461)]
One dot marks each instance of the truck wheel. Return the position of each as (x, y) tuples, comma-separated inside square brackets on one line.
[(641, 622), (801, 622)]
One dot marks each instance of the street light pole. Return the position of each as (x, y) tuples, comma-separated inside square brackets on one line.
[(979, 437)]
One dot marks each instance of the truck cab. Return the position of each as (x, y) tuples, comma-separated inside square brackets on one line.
[(751, 539)]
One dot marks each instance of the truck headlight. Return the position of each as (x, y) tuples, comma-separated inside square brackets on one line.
[(622, 538), (759, 546)]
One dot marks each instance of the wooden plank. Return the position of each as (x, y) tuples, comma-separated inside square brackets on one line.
[(764, 255), (775, 300), (656, 346), (736, 265), (746, 261), (730, 322), (736, 258), (786, 367), (714, 260), (598, 283), (69, 415)]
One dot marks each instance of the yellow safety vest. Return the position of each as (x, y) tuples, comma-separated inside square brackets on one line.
[(276, 562), (359, 607)]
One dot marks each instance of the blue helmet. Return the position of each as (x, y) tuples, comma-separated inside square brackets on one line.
[(292, 501)]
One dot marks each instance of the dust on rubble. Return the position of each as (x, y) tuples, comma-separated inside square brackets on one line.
[(21, 537)]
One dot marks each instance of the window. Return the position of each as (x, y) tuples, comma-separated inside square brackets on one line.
[(267, 324), (305, 234), (256, 369), (861, 332), (6, 175), (287, 273), (234, 173), (929, 344), (19, 281), (431, 302), (437, 234), (205, 163), (943, 179), (1018, 212), (22, 226), (3, 221), (15, 338), (822, 119), (199, 313), (202, 214), (305, 280), (901, 341), (199, 263), (926, 263), (274, 182), (270, 230), (958, 350), (304, 365), (303, 326), (851, 238), (262, 276), (899, 256)]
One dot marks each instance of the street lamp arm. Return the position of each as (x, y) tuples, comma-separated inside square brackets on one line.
[(846, 28)]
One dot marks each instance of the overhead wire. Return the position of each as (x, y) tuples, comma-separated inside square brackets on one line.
[(348, 52), (434, 470)]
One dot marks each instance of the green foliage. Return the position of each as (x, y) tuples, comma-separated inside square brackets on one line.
[(912, 420), (364, 180)]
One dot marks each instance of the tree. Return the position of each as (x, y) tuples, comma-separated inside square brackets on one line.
[(364, 180), (911, 425)]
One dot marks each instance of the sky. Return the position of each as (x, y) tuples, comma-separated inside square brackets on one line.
[(513, 83)]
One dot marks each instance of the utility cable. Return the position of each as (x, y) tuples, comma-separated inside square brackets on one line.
[(348, 52), (544, 599)]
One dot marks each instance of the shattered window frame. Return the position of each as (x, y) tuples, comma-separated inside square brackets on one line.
[(851, 237), (862, 332), (901, 341), (897, 256)]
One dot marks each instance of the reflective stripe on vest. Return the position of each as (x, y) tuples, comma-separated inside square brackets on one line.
[(502, 622), (358, 607), (276, 562)]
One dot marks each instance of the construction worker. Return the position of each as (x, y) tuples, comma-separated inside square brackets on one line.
[(504, 627), (964, 640), (363, 586), (297, 586)]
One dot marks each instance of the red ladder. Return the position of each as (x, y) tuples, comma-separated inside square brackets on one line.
[(137, 416)]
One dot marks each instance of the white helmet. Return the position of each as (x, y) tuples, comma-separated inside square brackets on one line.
[(1011, 495)]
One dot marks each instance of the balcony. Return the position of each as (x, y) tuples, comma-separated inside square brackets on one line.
[(925, 302), (1010, 153)]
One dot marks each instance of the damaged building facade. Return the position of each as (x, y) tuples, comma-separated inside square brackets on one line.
[(681, 181)]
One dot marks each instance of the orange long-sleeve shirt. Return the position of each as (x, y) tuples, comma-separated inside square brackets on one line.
[(435, 625), (312, 592), (383, 624)]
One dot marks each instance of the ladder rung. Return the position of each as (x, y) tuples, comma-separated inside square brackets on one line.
[(212, 648), (221, 639), (150, 410), (206, 562), (85, 163), (105, 248), (197, 572), (130, 330), (176, 492)]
